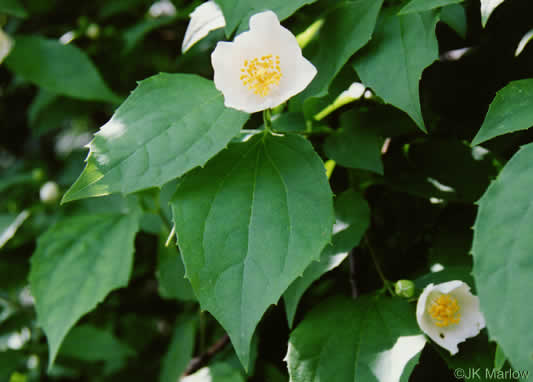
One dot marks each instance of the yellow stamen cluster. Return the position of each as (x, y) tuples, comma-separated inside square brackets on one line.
[(443, 310), (261, 74)]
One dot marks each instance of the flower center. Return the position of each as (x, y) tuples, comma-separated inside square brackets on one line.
[(261, 74), (444, 311)]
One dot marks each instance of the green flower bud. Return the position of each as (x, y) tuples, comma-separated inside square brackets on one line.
[(93, 31), (37, 175), (404, 288)]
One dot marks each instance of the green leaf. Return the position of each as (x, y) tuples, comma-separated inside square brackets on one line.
[(76, 264), (355, 144), (455, 16), (499, 358), (10, 360), (367, 339), (353, 217), (9, 180), (346, 29), (171, 274), (9, 224), (290, 122), (180, 350), (170, 124), (218, 372), (511, 110), (425, 5), (502, 258), (13, 7), (239, 11), (276, 192), (487, 7), (393, 62), (62, 69), (89, 343)]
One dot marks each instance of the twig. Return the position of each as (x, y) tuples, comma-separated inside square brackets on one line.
[(353, 278), (198, 362), (378, 267)]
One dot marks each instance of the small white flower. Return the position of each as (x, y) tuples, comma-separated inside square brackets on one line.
[(261, 68), (5, 45), (205, 18), (49, 193), (449, 314)]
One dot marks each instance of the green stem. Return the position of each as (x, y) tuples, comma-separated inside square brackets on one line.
[(378, 267), (267, 120)]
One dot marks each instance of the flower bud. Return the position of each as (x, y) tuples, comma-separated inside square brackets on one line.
[(37, 174), (404, 288), (49, 193)]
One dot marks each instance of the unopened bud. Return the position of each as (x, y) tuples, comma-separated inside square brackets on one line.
[(404, 288), (49, 193)]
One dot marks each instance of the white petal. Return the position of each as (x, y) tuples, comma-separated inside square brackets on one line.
[(205, 18), (265, 37), (5, 45), (471, 323)]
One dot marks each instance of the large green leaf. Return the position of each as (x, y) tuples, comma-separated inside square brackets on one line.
[(393, 62), (239, 11), (89, 343), (13, 7), (425, 5), (355, 144), (511, 110), (180, 350), (346, 29), (487, 7), (502, 258), (76, 264), (248, 224), (353, 217), (170, 124), (367, 339), (62, 69)]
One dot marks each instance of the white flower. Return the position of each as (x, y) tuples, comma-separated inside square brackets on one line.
[(449, 314), (5, 45), (262, 68), (49, 193), (205, 18)]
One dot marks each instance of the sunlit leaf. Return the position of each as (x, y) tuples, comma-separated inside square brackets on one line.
[(170, 124)]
